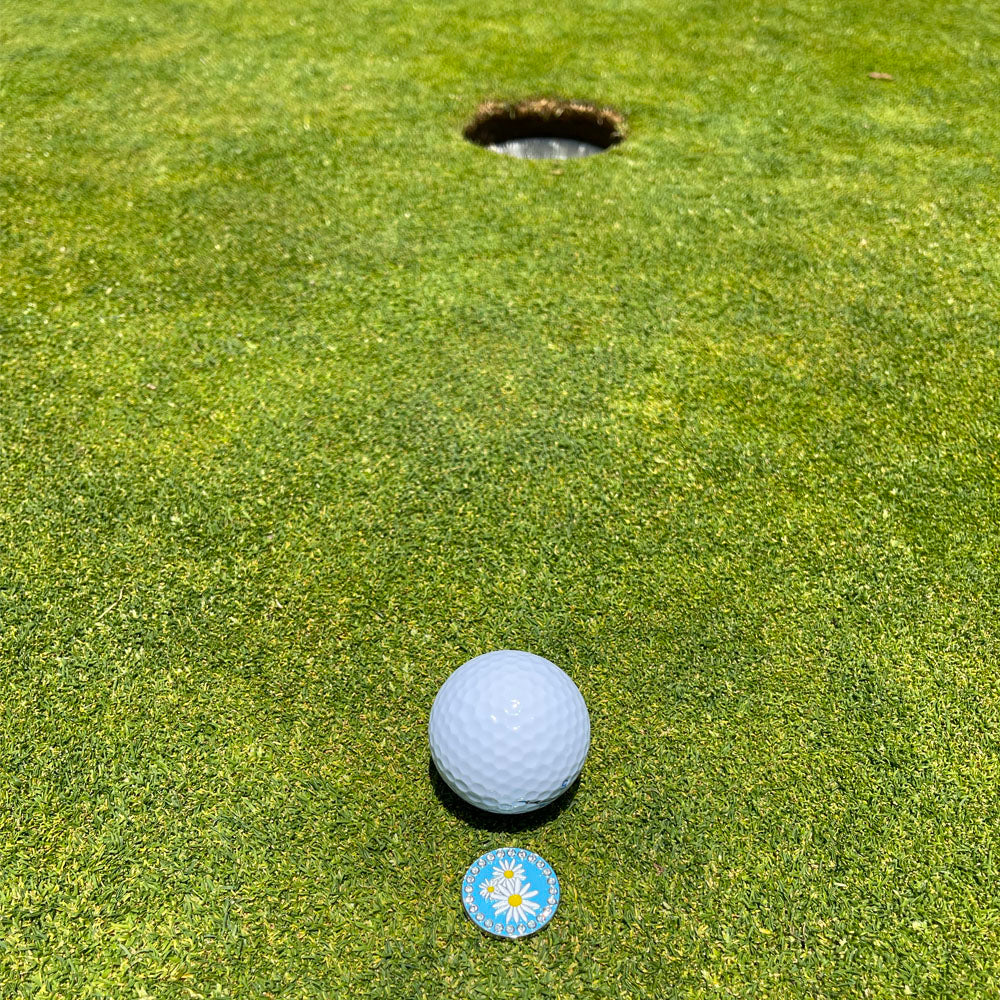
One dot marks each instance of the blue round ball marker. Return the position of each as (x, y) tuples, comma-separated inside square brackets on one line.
[(510, 892)]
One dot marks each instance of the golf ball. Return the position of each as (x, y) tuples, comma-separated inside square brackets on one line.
[(509, 731)]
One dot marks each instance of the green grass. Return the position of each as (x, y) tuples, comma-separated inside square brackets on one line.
[(304, 401)]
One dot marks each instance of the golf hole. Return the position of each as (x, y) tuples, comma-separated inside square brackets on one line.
[(545, 129)]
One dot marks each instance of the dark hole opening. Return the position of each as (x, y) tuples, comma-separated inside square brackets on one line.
[(495, 123)]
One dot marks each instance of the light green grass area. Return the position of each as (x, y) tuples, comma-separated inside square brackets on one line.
[(304, 400)]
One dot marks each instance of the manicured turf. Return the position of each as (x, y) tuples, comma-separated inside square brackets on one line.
[(304, 400)]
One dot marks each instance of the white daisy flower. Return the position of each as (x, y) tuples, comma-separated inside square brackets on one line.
[(507, 873), (513, 903), (488, 889)]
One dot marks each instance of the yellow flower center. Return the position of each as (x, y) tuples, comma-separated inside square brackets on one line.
[(514, 900), (489, 888), (508, 874)]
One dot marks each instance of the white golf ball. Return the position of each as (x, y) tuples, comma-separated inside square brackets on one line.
[(509, 731)]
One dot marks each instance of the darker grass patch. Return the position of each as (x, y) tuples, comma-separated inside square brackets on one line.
[(496, 122)]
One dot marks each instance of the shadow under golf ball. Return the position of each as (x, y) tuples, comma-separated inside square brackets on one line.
[(479, 819)]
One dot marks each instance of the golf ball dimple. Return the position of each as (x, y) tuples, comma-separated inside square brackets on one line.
[(509, 731)]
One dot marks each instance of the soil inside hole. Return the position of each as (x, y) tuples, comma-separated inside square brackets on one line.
[(545, 128)]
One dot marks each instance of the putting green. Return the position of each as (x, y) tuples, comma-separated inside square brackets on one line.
[(305, 400)]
